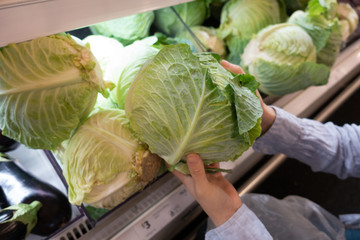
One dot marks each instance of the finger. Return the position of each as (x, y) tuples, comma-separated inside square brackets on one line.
[(232, 67), (197, 170)]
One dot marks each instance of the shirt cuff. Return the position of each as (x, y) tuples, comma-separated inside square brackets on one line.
[(244, 224)]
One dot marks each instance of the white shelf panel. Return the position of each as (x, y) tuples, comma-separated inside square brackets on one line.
[(23, 20)]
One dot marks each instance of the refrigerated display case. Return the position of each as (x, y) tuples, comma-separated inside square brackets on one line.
[(164, 209)]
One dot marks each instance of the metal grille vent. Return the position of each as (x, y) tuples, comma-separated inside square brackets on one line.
[(76, 231)]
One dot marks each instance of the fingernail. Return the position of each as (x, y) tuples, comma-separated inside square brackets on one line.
[(191, 158)]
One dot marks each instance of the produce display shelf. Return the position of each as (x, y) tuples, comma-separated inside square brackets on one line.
[(23, 20)]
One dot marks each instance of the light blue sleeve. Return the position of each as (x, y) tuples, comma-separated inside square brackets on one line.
[(243, 225), (324, 147)]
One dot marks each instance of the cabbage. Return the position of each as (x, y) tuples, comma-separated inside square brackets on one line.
[(104, 163), (105, 49), (349, 20), (47, 87), (122, 70), (282, 58), (320, 22), (207, 37), (181, 103), (126, 29), (192, 13), (241, 19)]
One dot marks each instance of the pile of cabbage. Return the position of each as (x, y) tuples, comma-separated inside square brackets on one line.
[(255, 34), (114, 114)]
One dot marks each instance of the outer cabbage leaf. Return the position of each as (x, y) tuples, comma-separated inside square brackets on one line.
[(176, 108), (326, 8), (241, 19), (331, 50), (103, 161), (47, 87), (126, 29), (282, 58), (240, 90), (193, 13), (318, 28)]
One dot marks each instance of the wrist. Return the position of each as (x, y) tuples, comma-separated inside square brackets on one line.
[(268, 118), (225, 214)]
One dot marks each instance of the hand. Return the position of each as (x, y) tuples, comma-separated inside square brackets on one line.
[(217, 197), (269, 113)]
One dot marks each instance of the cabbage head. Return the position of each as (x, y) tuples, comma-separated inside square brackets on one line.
[(47, 87), (183, 103), (193, 13), (319, 20), (349, 20), (208, 38), (126, 29), (105, 49), (241, 19), (282, 58), (104, 163)]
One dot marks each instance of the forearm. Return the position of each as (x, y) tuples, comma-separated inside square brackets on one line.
[(325, 147)]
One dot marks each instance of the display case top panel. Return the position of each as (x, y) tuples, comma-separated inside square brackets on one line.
[(22, 20)]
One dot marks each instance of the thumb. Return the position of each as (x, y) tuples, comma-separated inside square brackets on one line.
[(232, 67), (197, 170)]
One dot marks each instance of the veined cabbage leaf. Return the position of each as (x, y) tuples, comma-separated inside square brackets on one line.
[(282, 58), (104, 163), (126, 29), (181, 103), (241, 19), (47, 87)]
